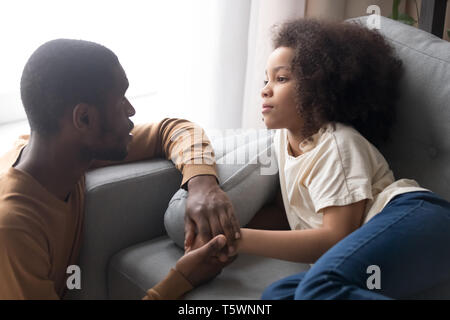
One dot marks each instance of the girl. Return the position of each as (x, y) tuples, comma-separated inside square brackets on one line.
[(330, 92)]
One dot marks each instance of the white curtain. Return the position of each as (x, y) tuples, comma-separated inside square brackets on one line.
[(199, 59), (171, 50), (264, 14), (183, 58), (229, 59)]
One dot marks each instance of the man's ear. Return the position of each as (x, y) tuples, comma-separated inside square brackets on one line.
[(83, 116)]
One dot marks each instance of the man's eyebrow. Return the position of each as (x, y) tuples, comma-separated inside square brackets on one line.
[(280, 67)]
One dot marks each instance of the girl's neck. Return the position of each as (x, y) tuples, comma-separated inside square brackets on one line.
[(296, 137), (294, 140)]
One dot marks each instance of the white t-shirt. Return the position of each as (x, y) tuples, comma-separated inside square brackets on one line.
[(338, 167)]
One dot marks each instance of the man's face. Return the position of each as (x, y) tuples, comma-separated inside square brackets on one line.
[(114, 133)]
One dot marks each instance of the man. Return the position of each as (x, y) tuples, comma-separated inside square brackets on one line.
[(73, 92)]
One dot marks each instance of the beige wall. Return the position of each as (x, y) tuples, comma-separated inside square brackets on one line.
[(344, 9), (338, 10), (412, 11), (447, 21)]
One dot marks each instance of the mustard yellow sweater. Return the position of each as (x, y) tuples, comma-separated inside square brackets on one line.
[(40, 235)]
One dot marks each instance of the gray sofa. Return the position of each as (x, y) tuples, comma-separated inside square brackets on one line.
[(126, 249)]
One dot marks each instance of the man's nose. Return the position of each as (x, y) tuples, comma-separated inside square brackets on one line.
[(130, 109)]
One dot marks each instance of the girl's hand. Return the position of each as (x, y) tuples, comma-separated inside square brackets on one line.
[(202, 264), (223, 255)]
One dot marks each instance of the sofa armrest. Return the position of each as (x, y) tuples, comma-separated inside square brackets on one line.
[(125, 205)]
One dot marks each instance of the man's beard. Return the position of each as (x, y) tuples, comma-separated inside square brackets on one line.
[(111, 154), (108, 154)]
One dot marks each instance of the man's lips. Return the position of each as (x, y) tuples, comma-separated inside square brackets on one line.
[(130, 128), (266, 108)]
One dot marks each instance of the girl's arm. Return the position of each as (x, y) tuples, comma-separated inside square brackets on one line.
[(304, 245)]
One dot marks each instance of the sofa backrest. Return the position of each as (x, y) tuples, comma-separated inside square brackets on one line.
[(419, 147), (124, 206)]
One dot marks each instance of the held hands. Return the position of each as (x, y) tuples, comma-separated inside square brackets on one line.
[(202, 264), (209, 212)]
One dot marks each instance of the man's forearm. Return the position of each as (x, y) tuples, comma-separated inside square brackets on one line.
[(187, 145), (304, 246)]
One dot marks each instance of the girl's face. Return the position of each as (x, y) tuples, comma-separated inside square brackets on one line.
[(278, 95)]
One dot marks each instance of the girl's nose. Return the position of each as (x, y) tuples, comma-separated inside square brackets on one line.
[(266, 91)]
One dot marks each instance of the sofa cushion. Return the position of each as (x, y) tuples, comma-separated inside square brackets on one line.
[(247, 171), (136, 269)]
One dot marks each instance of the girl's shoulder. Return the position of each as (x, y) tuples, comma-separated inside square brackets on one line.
[(343, 130), (334, 135), (350, 143), (340, 137), (348, 137)]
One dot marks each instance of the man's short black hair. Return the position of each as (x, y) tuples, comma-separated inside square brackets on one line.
[(62, 73)]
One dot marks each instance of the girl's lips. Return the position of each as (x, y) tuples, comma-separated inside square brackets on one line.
[(266, 108)]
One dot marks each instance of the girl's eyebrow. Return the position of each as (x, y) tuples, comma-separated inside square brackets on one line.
[(278, 68)]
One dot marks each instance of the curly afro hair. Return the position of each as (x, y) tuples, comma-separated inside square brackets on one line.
[(345, 73)]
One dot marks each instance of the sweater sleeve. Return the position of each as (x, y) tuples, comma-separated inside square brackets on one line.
[(172, 287), (181, 141)]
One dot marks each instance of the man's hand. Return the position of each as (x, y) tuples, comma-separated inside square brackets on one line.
[(209, 212), (202, 264)]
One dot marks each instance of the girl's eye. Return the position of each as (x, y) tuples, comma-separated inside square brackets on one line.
[(282, 79), (265, 82)]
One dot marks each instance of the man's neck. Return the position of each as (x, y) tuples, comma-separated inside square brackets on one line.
[(57, 166)]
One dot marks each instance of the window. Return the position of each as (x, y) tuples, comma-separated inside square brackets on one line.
[(164, 46)]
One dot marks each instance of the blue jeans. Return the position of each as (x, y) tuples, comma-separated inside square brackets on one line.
[(408, 240)]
